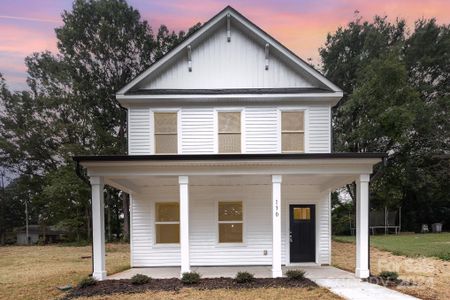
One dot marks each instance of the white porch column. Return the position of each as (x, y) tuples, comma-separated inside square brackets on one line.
[(276, 226), (362, 226), (184, 223), (98, 228)]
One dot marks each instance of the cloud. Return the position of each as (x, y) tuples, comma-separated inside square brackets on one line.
[(302, 25), (30, 19)]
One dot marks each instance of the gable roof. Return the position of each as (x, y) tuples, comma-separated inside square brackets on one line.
[(326, 86)]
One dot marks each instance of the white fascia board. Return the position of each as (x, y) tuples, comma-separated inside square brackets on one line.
[(331, 98), (238, 162), (252, 28)]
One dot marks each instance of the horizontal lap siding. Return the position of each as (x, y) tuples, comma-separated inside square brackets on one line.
[(257, 226), (301, 194), (319, 129), (139, 131), (261, 130), (324, 234), (204, 249), (197, 131), (145, 253)]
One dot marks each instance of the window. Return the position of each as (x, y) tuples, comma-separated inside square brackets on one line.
[(166, 132), (230, 222), (229, 132), (292, 131), (302, 213), (167, 222)]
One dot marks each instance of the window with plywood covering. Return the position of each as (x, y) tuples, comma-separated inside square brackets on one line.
[(292, 131), (229, 132), (166, 132), (231, 222), (167, 222)]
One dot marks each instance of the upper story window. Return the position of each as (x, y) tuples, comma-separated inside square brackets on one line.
[(229, 132), (166, 132), (292, 131)]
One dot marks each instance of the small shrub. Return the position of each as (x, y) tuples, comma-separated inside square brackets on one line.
[(139, 279), (295, 274), (86, 282), (244, 277), (389, 275), (190, 278), (444, 256)]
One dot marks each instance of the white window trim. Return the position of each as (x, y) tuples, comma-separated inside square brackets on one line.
[(244, 227), (152, 129), (216, 127), (305, 110), (153, 212)]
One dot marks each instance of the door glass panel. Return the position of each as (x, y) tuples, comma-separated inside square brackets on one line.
[(302, 213)]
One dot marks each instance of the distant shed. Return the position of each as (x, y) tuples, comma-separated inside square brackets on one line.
[(36, 233)]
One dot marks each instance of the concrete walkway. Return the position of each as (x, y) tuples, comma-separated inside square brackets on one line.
[(340, 282), (346, 285)]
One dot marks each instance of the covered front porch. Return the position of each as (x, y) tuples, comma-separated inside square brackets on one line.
[(269, 186)]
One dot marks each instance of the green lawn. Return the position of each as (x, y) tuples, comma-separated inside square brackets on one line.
[(431, 244)]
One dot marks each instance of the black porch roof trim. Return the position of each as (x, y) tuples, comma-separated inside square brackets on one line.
[(188, 157), (227, 91)]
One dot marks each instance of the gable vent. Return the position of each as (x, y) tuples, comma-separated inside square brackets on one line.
[(189, 56), (228, 28)]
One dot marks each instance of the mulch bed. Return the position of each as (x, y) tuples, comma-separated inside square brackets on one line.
[(108, 287), (390, 283)]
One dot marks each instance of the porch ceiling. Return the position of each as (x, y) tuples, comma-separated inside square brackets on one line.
[(135, 174), (140, 184)]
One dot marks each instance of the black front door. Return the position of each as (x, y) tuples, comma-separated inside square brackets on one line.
[(302, 233)]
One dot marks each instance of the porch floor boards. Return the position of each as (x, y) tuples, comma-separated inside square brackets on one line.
[(338, 281)]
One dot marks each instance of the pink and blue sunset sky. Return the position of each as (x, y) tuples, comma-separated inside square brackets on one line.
[(27, 26)]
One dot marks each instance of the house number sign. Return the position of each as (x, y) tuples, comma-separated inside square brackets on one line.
[(277, 213)]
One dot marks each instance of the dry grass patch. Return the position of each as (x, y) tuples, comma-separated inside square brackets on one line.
[(33, 272), (246, 294), (431, 275)]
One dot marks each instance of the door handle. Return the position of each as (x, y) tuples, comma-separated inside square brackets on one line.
[(290, 237)]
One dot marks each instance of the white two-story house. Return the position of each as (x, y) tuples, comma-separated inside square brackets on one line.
[(229, 157)]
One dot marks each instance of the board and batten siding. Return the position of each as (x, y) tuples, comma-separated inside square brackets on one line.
[(218, 64), (203, 231), (261, 129)]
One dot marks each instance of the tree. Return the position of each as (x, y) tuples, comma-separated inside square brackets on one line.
[(71, 107), (396, 101)]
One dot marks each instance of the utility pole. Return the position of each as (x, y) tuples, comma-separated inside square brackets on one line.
[(2, 205), (26, 211), (26, 220)]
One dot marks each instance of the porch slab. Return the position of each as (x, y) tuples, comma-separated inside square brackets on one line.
[(338, 281), (206, 272)]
